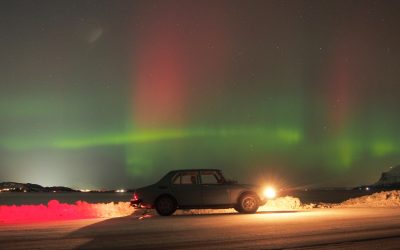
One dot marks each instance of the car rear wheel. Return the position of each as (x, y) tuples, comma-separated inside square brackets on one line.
[(165, 205), (248, 204)]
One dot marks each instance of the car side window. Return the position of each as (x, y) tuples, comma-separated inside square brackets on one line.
[(209, 177), (185, 178), (177, 179)]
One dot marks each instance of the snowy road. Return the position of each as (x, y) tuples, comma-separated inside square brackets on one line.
[(344, 228)]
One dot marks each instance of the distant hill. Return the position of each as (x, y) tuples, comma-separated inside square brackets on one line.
[(389, 179), (29, 187)]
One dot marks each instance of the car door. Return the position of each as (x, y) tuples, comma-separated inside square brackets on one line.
[(213, 189), (186, 188)]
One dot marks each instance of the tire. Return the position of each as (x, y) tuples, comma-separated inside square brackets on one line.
[(165, 205), (248, 204)]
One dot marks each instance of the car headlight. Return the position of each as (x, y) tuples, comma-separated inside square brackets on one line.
[(269, 192)]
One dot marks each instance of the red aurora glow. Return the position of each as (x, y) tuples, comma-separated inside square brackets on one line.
[(171, 64)]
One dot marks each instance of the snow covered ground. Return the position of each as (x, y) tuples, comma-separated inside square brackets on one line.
[(334, 228), (368, 222), (55, 210), (288, 203), (380, 199)]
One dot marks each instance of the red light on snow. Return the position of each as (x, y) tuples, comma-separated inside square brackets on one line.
[(55, 211)]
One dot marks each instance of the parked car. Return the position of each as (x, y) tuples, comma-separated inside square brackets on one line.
[(200, 188)]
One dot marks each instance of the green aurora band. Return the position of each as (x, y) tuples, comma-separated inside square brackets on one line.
[(345, 150)]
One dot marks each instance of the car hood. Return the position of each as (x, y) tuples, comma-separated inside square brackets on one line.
[(246, 186)]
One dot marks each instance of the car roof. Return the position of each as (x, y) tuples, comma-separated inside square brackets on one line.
[(195, 169)]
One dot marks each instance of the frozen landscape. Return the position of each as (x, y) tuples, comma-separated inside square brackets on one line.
[(367, 222), (109, 205)]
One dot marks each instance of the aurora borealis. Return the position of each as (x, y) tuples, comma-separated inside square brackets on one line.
[(111, 94)]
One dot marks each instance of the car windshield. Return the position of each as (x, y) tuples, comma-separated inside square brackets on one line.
[(228, 178)]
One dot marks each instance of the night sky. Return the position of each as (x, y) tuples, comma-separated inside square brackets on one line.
[(111, 94)]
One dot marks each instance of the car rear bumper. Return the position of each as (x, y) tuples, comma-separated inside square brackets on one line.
[(135, 203), (139, 204)]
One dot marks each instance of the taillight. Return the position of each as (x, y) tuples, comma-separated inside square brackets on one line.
[(135, 197)]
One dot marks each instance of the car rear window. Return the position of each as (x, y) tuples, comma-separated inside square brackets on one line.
[(185, 178)]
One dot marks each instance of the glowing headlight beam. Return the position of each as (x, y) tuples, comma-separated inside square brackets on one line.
[(269, 193)]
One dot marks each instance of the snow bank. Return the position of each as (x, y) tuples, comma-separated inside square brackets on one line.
[(282, 204), (381, 199), (278, 204), (60, 211)]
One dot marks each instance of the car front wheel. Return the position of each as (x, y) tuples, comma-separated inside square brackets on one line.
[(248, 204), (165, 205)]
